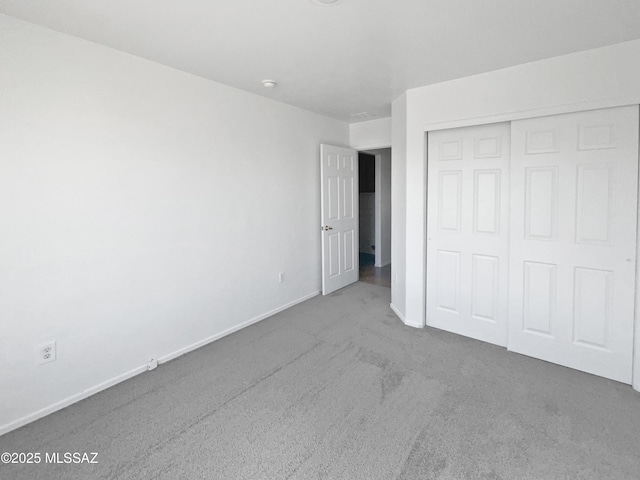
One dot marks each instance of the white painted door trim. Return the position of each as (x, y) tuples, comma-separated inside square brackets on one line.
[(378, 211), (532, 113), (379, 260), (636, 350)]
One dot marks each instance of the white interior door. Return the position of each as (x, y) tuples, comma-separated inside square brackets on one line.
[(339, 172), (573, 239), (468, 232)]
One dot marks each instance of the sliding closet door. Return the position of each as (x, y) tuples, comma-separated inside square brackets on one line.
[(468, 231), (574, 203)]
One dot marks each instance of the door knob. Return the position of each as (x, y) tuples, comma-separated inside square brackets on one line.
[(327, 227)]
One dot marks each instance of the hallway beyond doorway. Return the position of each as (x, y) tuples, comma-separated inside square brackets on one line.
[(369, 273)]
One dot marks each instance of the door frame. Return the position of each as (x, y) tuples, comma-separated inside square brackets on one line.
[(421, 266), (378, 202)]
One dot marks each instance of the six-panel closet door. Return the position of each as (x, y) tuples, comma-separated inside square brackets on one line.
[(468, 231), (574, 199), (531, 236)]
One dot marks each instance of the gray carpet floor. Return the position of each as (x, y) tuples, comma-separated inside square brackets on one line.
[(338, 387)]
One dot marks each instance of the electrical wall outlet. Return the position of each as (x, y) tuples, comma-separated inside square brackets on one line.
[(47, 353), (281, 277)]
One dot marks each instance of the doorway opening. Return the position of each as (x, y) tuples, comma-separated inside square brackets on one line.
[(374, 180)]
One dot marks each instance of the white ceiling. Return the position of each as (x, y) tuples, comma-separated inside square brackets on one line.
[(339, 60)]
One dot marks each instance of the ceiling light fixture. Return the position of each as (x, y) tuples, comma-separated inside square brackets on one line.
[(326, 3), (268, 83)]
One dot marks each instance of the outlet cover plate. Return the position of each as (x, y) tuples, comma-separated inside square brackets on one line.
[(47, 353)]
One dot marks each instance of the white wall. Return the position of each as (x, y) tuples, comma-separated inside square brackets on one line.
[(371, 134), (399, 205), (383, 207), (598, 78), (367, 223), (137, 206)]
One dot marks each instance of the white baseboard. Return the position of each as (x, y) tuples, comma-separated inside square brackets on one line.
[(413, 325), (397, 312), (401, 317), (142, 368), (32, 417), (231, 330), (383, 264)]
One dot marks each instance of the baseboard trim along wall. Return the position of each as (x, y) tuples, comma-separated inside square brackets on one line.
[(383, 264), (401, 317), (231, 330), (143, 368)]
